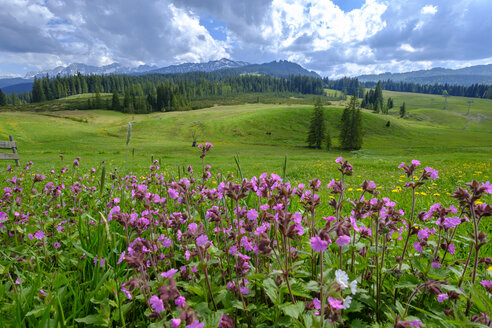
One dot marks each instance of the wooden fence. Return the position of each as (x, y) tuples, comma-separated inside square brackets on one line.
[(10, 145)]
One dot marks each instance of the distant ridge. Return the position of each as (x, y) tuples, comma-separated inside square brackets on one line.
[(479, 74), (210, 66), (281, 68), (224, 66)]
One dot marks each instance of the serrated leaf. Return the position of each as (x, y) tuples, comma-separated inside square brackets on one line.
[(358, 323), (271, 290), (293, 310), (308, 320)]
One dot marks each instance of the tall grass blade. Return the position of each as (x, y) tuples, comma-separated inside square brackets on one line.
[(238, 164)]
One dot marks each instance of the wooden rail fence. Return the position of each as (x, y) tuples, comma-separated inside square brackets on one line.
[(10, 145)]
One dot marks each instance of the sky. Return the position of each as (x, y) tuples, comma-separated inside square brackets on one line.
[(332, 37)]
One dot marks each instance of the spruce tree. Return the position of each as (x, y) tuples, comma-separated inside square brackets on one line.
[(351, 131), (356, 140), (328, 140), (98, 99), (317, 127), (37, 91), (3, 98), (402, 110), (115, 104), (346, 127)]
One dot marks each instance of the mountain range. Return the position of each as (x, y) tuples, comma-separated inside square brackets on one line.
[(276, 68), (481, 74)]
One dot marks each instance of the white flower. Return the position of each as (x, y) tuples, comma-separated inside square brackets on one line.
[(341, 278), (346, 302), (353, 287)]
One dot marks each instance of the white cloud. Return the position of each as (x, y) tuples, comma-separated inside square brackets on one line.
[(429, 10), (407, 47), (201, 46), (319, 25)]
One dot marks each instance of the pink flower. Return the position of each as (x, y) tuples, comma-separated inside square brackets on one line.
[(156, 304), (42, 292), (415, 324), (487, 187), (436, 265), (180, 301), (175, 323), (334, 303), (317, 303), (126, 292), (452, 222), (122, 257), (202, 240), (401, 165), (196, 324), (173, 193), (318, 244), (417, 247), (339, 160), (169, 273), (432, 173), (487, 284), (244, 290), (415, 162), (343, 240), (442, 297), (252, 214), (39, 235), (451, 249)]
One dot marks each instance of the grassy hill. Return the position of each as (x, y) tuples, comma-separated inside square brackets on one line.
[(100, 135)]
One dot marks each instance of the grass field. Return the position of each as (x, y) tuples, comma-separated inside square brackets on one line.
[(457, 145), (261, 137)]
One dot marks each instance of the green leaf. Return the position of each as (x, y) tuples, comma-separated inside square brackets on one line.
[(293, 310), (93, 319), (308, 320), (213, 319), (36, 311), (271, 290), (358, 323), (482, 302)]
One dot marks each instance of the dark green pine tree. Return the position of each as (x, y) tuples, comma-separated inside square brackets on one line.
[(351, 131), (98, 103), (37, 91), (403, 110), (378, 95), (115, 103), (356, 130), (328, 140), (3, 98), (346, 126), (317, 127)]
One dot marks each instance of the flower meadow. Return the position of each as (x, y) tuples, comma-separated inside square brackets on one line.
[(106, 248)]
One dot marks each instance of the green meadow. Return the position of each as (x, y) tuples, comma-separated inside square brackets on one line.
[(265, 137)]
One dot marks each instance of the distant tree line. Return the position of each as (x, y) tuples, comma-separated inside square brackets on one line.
[(374, 100), (347, 85), (473, 91), (166, 92)]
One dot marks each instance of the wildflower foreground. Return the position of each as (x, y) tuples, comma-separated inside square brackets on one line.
[(212, 251)]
